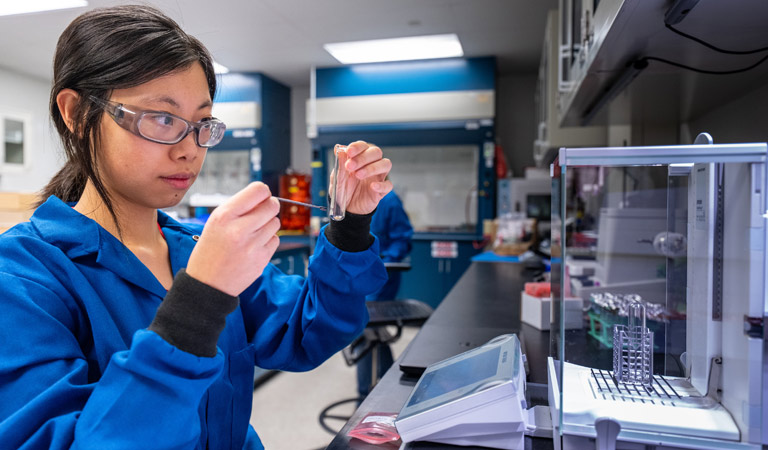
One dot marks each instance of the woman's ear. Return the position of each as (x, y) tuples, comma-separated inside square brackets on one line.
[(67, 100)]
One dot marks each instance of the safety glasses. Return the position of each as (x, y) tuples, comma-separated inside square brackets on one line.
[(162, 127)]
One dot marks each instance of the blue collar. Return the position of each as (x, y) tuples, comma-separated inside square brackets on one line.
[(79, 237)]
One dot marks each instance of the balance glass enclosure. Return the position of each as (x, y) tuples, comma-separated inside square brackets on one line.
[(659, 295)]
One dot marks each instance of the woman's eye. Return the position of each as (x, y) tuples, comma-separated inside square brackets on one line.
[(162, 120)]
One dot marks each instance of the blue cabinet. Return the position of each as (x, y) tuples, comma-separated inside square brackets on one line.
[(437, 263), (292, 258), (256, 145)]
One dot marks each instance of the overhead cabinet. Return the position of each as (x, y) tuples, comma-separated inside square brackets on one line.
[(553, 84), (624, 47)]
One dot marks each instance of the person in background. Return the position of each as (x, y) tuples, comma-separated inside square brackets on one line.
[(391, 225), (124, 329)]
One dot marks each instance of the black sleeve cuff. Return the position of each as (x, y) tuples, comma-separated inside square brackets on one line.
[(352, 234), (193, 315)]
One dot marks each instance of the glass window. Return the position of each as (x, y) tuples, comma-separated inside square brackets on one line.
[(437, 185), (224, 172), (14, 141)]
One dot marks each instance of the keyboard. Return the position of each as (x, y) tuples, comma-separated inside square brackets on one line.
[(394, 312)]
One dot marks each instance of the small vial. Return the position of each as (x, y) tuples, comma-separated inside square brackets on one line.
[(636, 316), (338, 192)]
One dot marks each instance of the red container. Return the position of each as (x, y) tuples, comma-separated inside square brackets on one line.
[(294, 186)]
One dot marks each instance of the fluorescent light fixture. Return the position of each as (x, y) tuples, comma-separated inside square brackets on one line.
[(9, 8), (218, 68), (630, 72), (397, 49)]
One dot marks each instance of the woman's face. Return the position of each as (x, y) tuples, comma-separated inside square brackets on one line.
[(138, 172)]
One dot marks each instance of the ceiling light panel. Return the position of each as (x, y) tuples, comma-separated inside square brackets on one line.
[(9, 8), (397, 49)]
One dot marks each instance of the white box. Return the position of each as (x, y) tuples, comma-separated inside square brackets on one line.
[(537, 311), (581, 267)]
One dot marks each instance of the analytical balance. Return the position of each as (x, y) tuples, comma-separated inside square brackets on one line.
[(674, 354)]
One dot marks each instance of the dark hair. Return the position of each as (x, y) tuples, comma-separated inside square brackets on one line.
[(102, 50)]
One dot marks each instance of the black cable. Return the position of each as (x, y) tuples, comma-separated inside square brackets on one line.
[(711, 72), (325, 414), (717, 49)]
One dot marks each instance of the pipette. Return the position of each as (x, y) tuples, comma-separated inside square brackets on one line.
[(308, 205)]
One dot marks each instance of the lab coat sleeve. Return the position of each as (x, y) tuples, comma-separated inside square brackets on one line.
[(399, 233), (296, 323), (147, 397)]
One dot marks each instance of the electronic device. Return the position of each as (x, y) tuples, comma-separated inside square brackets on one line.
[(474, 398), (529, 196), (538, 206), (426, 351), (681, 242)]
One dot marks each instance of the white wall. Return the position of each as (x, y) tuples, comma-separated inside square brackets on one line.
[(301, 149), (21, 94)]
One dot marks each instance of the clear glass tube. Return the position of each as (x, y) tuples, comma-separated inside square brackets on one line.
[(636, 315), (337, 197)]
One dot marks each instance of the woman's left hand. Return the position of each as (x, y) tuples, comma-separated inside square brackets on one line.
[(367, 182)]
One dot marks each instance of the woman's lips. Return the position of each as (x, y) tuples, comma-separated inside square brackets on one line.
[(179, 181)]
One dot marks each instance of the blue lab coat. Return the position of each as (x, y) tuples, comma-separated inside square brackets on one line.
[(77, 363), (391, 225)]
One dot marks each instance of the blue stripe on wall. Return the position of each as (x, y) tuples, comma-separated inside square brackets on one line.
[(400, 126), (237, 143), (435, 75), (238, 87)]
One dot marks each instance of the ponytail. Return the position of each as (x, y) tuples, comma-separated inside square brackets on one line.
[(68, 184)]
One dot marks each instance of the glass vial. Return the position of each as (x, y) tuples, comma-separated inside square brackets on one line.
[(338, 191)]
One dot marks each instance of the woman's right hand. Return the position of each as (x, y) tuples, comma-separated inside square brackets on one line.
[(238, 240)]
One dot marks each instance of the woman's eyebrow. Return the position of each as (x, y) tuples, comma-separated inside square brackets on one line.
[(160, 99), (170, 101)]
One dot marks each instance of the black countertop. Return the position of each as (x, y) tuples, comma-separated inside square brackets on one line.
[(483, 304)]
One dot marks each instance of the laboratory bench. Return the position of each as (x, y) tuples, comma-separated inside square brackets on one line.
[(438, 260), (292, 256), (483, 304)]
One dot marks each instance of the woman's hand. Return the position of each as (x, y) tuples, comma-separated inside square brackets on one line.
[(366, 183), (238, 241)]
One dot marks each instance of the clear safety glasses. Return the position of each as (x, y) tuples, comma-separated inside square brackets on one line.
[(162, 127)]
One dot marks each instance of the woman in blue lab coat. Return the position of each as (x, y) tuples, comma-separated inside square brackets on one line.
[(393, 228), (122, 328)]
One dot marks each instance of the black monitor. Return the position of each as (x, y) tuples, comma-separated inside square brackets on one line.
[(539, 206)]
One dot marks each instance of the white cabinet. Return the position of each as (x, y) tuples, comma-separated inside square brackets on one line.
[(553, 83)]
